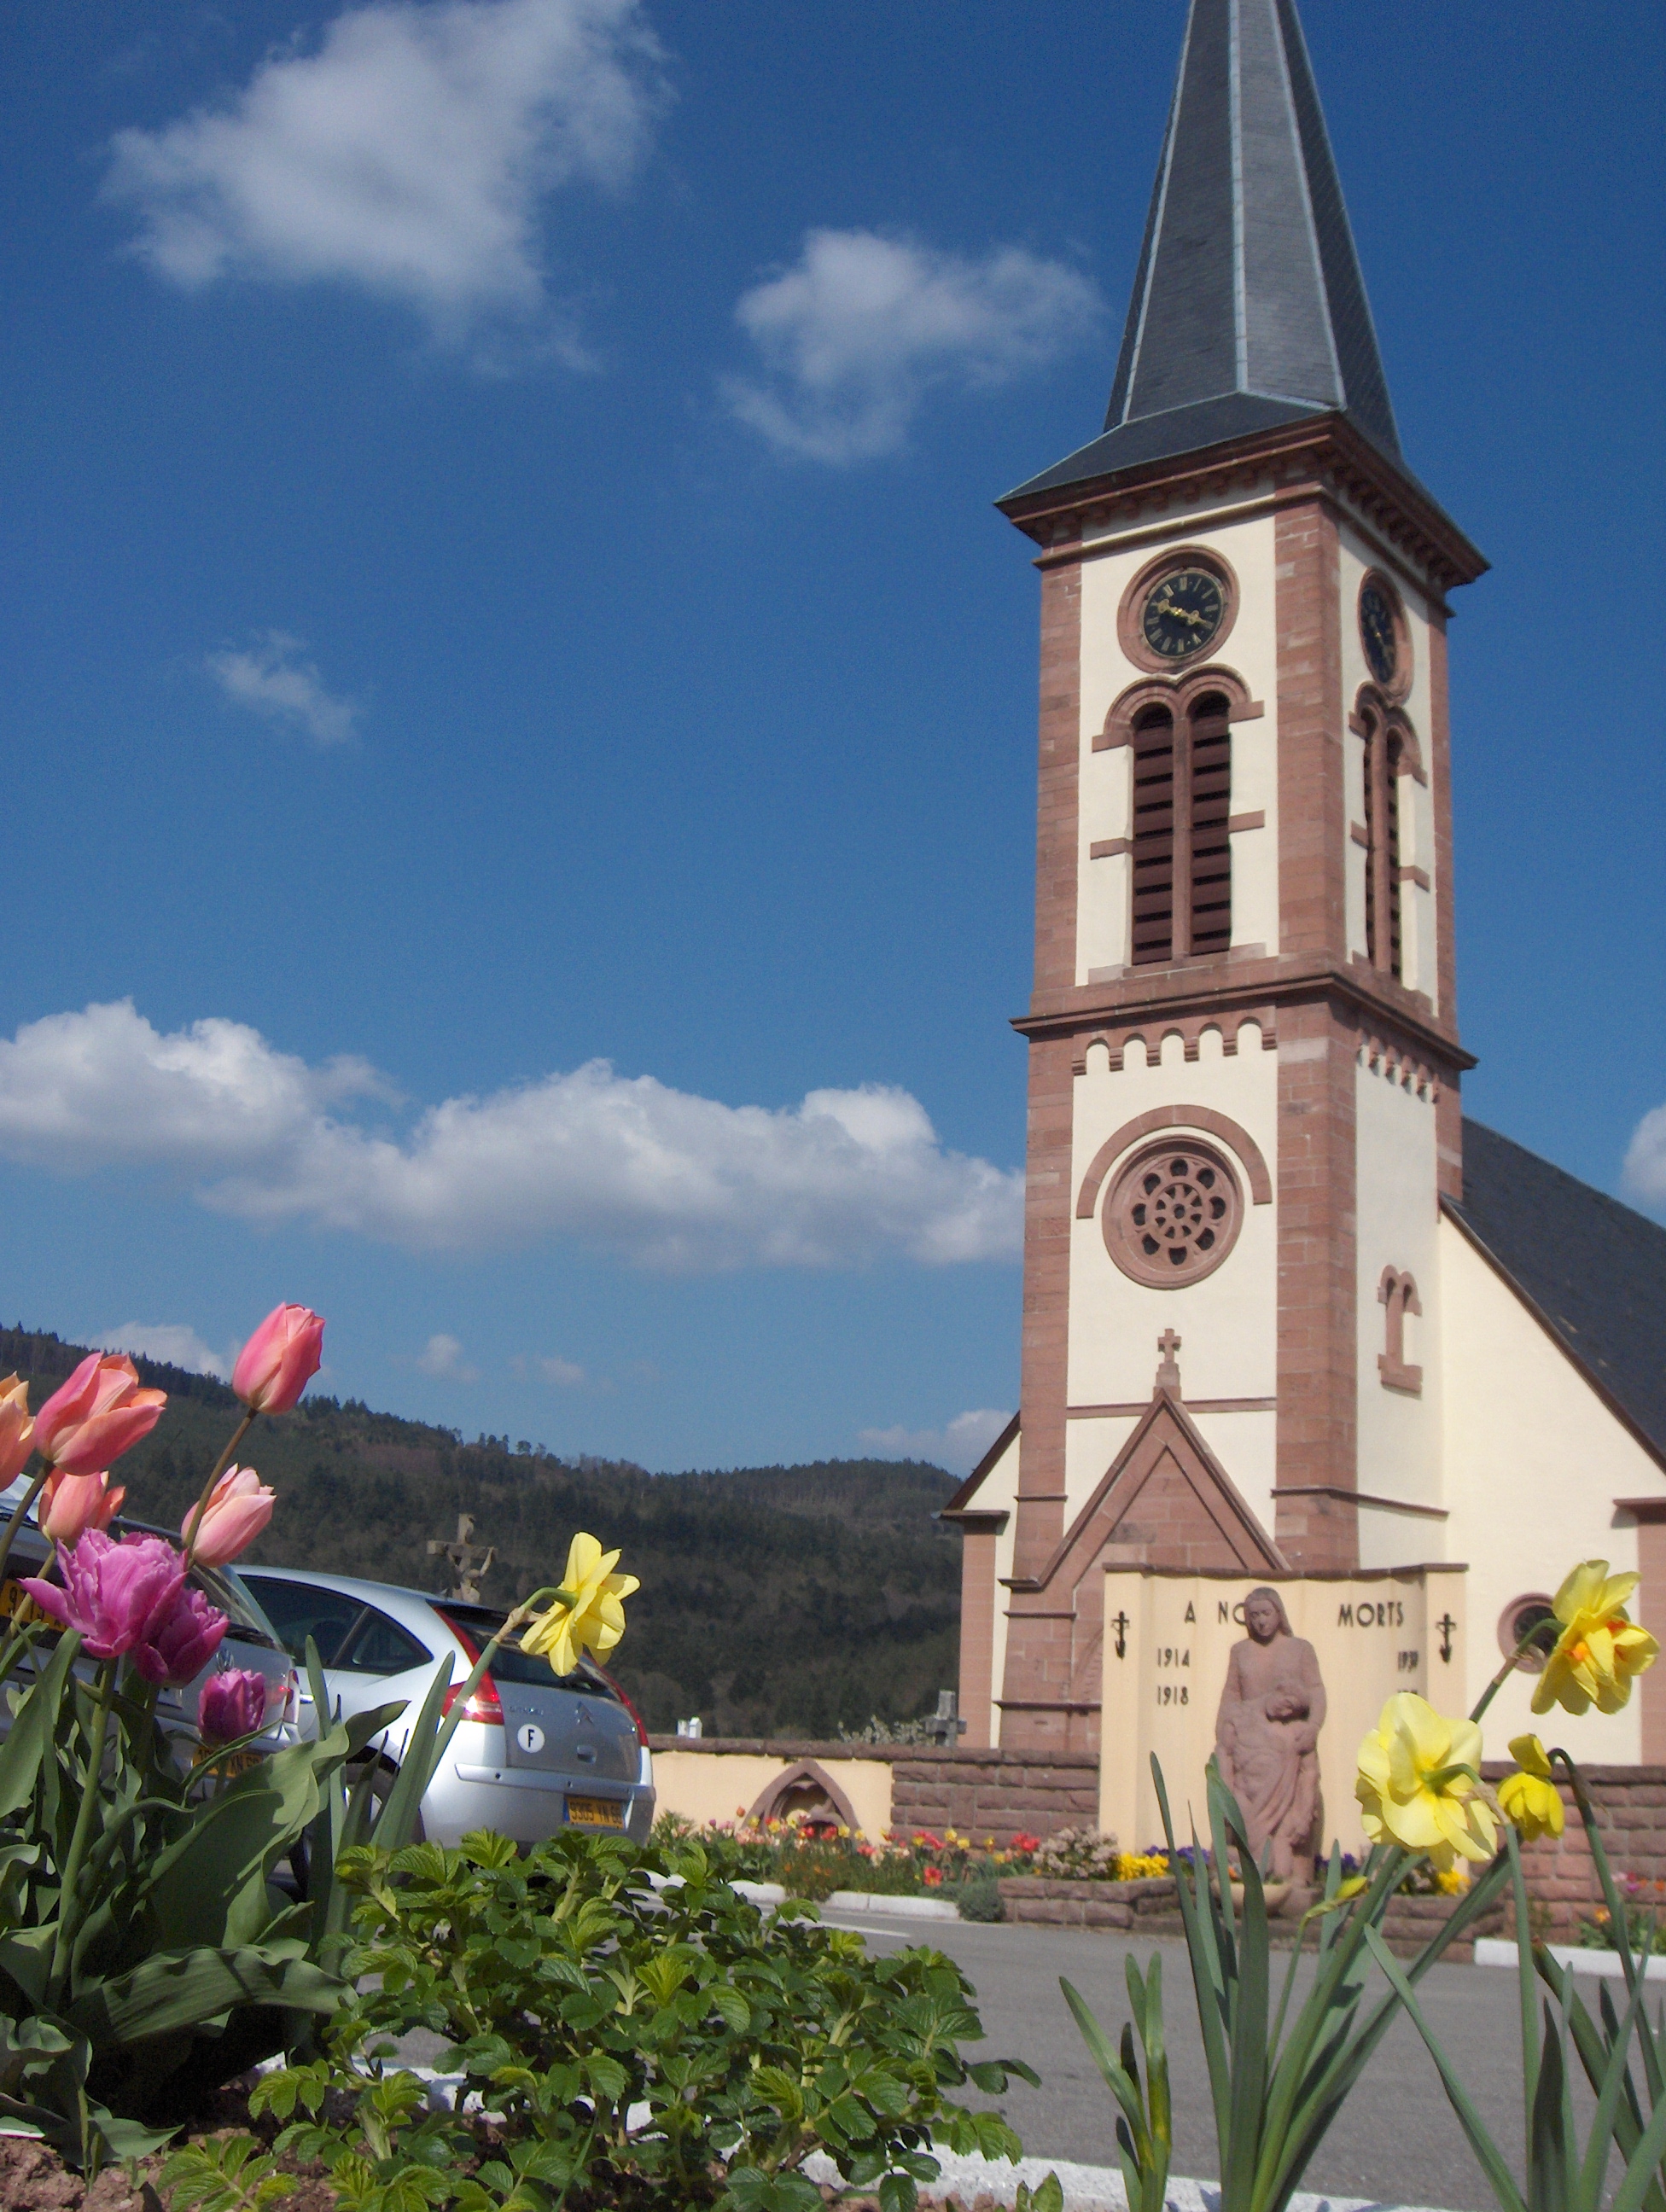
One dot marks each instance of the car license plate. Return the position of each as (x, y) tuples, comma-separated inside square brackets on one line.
[(594, 1812), (16, 1604)]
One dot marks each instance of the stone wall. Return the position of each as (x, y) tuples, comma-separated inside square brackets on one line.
[(1149, 1908), (981, 1793), (1630, 1805), (993, 1793)]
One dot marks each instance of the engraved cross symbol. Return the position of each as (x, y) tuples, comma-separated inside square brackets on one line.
[(1121, 1624), (1446, 1624)]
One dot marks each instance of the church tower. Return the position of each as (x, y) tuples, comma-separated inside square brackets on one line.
[(1244, 1061)]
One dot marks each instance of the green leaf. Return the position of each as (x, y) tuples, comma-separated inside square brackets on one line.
[(184, 1988), (1486, 2151), (34, 1725)]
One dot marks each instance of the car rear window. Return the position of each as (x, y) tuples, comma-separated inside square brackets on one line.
[(478, 1623)]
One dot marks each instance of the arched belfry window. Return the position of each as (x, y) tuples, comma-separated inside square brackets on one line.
[(1181, 846), (1382, 748)]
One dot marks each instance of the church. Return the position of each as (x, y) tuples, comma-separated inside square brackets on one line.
[(1288, 1316)]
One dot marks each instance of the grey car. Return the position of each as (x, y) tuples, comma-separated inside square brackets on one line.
[(533, 1755)]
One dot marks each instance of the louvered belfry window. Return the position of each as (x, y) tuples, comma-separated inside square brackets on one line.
[(1182, 851), (1382, 765)]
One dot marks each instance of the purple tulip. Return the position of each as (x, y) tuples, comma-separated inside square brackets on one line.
[(232, 1704), (131, 1597), (182, 1641)]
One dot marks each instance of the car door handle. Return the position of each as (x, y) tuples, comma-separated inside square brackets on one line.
[(586, 1751)]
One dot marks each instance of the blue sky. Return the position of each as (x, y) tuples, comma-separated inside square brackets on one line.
[(520, 712)]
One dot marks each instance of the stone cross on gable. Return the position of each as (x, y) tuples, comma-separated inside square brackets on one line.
[(1168, 1374), (469, 1563)]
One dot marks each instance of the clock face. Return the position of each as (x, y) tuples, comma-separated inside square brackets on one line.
[(1181, 613), (1378, 633)]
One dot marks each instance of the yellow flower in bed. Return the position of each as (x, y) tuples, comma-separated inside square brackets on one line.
[(1600, 1648), (594, 1619), (1418, 1785), (1529, 1799)]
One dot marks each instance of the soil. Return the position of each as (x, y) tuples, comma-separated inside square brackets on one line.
[(35, 2178)]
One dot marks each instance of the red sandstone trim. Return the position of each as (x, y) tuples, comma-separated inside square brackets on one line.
[(1175, 1117)]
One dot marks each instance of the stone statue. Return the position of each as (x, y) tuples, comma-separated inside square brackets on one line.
[(1266, 1736)]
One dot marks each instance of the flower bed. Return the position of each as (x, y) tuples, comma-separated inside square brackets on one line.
[(813, 1859)]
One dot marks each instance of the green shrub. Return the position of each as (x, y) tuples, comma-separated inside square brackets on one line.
[(653, 2046), (979, 1899)]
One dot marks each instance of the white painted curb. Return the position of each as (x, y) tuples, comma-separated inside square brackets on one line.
[(1606, 1966), (905, 1908), (1091, 2188)]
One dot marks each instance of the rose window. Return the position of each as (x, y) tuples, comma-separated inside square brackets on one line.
[(1173, 1214)]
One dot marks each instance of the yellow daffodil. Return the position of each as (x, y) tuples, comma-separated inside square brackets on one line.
[(1600, 1648), (1418, 1784), (594, 1619), (1529, 1799)]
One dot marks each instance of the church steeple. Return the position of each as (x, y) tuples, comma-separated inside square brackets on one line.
[(1249, 310)]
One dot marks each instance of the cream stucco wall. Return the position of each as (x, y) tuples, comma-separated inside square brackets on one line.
[(704, 1786), (1534, 1461), (1397, 1226), (1245, 542), (1228, 1322), (998, 1493)]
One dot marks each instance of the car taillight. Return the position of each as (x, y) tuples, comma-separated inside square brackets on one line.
[(624, 1697), (484, 1705)]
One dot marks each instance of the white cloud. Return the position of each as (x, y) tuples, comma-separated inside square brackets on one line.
[(170, 1341), (273, 681), (856, 335), (661, 1177), (442, 1357), (408, 155), (1645, 1161), (561, 1372), (958, 1445)]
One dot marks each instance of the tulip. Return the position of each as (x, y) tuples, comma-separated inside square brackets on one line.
[(16, 1429), (239, 1507), (114, 1595), (589, 1616), (1417, 1784), (1529, 1799), (1600, 1648), (279, 1360), (232, 1704), (183, 1642), (72, 1503), (97, 1415)]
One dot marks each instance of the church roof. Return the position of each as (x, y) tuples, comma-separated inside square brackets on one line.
[(1249, 310), (1594, 1271)]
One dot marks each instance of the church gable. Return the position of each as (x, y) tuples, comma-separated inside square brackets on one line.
[(1165, 1502)]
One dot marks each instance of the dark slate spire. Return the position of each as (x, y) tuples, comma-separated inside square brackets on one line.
[(1248, 309)]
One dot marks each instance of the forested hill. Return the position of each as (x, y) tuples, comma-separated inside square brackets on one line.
[(773, 1598)]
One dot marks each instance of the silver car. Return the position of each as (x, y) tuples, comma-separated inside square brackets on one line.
[(534, 1754)]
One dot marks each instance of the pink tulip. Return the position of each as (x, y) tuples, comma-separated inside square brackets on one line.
[(72, 1503), (115, 1597), (239, 1506), (279, 1360), (97, 1415), (183, 1642), (16, 1429), (232, 1704)]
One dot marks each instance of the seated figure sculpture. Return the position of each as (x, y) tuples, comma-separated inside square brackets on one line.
[(1267, 1736)]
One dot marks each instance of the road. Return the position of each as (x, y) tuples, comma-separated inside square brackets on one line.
[(1398, 2138)]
